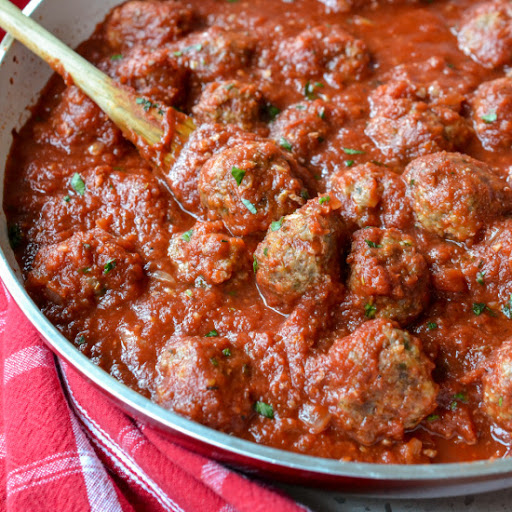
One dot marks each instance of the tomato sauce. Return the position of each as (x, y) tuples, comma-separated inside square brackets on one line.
[(326, 267)]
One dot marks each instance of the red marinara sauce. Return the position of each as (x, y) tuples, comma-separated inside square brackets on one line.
[(327, 266)]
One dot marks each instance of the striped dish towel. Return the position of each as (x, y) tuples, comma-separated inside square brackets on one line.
[(65, 447)]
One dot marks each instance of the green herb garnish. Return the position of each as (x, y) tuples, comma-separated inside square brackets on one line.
[(255, 264), (490, 117), (117, 56), (212, 334), (264, 409), (324, 199), (226, 352), (276, 225), (350, 151), (285, 144), (507, 309), (15, 235), (373, 245), (249, 206), (369, 310), (479, 308), (78, 184), (111, 264), (349, 163), (432, 326), (187, 235), (238, 174)]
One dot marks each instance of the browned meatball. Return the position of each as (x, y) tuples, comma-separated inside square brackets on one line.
[(299, 254), (205, 379), (204, 142), (78, 121), (90, 269), (486, 33), (409, 120), (454, 195), (207, 252), (487, 267), (150, 23), (388, 277), (154, 74), (250, 185), (215, 53), (375, 382), (326, 51), (492, 113), (371, 195), (301, 128), (497, 391), (230, 102)]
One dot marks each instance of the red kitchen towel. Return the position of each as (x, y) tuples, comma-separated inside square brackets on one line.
[(65, 447)]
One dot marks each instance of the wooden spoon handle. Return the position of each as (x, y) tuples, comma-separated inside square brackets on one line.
[(141, 121)]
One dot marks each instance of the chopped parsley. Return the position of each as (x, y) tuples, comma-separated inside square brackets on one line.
[(432, 326), (15, 236), (285, 144), (212, 334), (111, 264), (264, 409), (194, 47), (433, 417), (490, 117), (249, 206), (187, 235), (228, 87), (369, 310), (479, 308), (500, 401), (324, 199), (67, 199), (461, 397), (304, 194), (85, 270), (117, 56), (276, 225), (373, 245), (480, 277), (350, 151), (226, 352), (147, 104), (78, 184), (321, 113), (309, 89), (349, 163), (454, 405), (238, 174), (265, 251), (255, 264), (272, 111), (214, 361), (81, 340), (507, 309), (188, 292)]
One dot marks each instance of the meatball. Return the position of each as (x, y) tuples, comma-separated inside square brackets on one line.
[(487, 267), (215, 53), (389, 278), (230, 102), (90, 269), (206, 141), (371, 195), (299, 254), (407, 120), (250, 185), (149, 23), (154, 74), (376, 382), (454, 195), (497, 389), (301, 128), (486, 33), (205, 379), (207, 252), (78, 122), (326, 51), (492, 113)]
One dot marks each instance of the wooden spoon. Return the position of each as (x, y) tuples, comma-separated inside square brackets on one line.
[(159, 132)]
